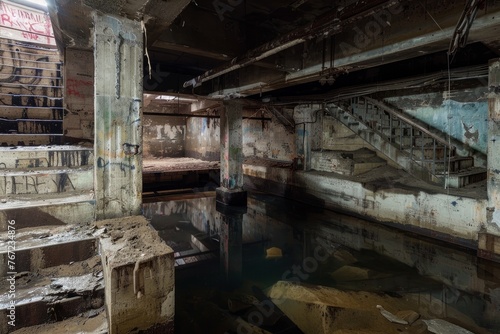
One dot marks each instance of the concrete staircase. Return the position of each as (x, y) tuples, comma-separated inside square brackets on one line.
[(418, 148), (51, 273), (346, 162), (47, 176)]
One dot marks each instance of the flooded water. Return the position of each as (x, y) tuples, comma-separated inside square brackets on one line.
[(225, 260)]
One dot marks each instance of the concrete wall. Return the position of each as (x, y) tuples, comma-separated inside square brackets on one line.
[(268, 139), (452, 218), (262, 139), (79, 96), (203, 138), (164, 136)]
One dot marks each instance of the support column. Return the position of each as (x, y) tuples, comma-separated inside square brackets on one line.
[(231, 156), (489, 237), (118, 52), (231, 243)]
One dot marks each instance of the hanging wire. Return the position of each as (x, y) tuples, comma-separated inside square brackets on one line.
[(143, 26)]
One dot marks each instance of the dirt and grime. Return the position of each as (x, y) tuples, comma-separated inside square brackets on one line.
[(177, 164)]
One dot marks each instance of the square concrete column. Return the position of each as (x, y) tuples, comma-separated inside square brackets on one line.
[(118, 53), (231, 243), (231, 156), (489, 237)]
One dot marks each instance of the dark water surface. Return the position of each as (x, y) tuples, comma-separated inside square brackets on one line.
[(222, 255)]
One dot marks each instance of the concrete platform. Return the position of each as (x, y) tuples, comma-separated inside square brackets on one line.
[(385, 195)]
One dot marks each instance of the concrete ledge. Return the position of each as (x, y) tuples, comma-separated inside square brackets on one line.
[(451, 218), (489, 247), (139, 276), (226, 196)]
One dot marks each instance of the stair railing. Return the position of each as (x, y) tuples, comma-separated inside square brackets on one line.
[(433, 152)]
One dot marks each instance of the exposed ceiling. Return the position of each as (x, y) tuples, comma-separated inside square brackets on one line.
[(233, 48)]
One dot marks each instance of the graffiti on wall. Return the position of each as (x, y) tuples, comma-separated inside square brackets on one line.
[(25, 24), (35, 184)]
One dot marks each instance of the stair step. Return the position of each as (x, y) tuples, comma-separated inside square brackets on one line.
[(36, 237), (464, 178), (8, 202), (346, 162), (46, 156), (33, 259), (93, 321), (45, 181), (56, 295), (57, 272), (461, 163)]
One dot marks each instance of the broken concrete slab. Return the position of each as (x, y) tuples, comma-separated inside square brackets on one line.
[(139, 276), (320, 309)]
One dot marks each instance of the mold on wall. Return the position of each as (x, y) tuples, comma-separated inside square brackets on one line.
[(164, 136)]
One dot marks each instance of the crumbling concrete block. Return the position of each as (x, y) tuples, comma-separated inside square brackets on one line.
[(139, 276)]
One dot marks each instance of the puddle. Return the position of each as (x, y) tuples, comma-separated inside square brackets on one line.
[(315, 247)]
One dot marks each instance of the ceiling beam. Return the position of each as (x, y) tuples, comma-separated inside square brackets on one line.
[(328, 24), (355, 51)]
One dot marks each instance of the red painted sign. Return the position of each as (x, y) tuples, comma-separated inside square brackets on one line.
[(25, 24)]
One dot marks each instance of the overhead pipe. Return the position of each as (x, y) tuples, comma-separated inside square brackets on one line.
[(328, 24)]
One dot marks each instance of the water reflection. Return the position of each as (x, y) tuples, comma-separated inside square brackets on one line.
[(325, 248)]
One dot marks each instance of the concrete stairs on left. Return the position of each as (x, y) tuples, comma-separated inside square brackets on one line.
[(53, 183)]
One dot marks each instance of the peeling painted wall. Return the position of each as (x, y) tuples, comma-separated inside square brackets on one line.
[(262, 139), (268, 139), (464, 116), (164, 136), (203, 138)]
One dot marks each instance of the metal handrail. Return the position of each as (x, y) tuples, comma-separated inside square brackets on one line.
[(401, 116), (432, 169)]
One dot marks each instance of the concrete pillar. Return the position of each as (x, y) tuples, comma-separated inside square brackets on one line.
[(231, 243), (489, 237), (118, 53), (231, 156), (308, 130)]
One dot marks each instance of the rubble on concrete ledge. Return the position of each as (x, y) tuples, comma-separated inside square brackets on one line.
[(138, 274)]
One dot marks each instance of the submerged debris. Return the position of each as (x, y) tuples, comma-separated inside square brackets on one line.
[(409, 316), (391, 317), (274, 253), (440, 326)]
